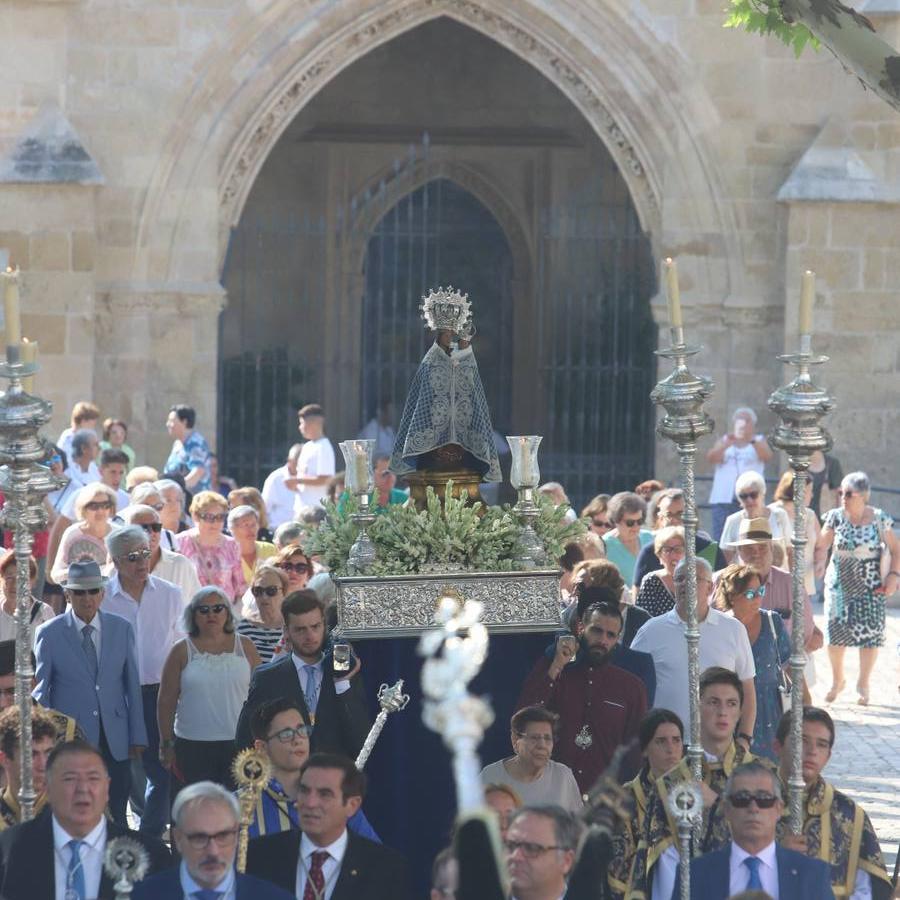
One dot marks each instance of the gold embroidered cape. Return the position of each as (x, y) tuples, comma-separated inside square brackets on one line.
[(625, 839), (10, 814)]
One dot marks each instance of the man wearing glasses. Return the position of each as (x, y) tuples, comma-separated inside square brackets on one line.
[(105, 700), (540, 852), (153, 607), (752, 860), (280, 733), (206, 821)]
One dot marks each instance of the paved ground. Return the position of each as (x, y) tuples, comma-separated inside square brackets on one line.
[(866, 759)]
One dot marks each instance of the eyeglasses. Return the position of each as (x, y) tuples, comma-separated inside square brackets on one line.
[(94, 505), (535, 738), (205, 609), (842, 493), (630, 523), (212, 517), (80, 592), (600, 523), (155, 527), (286, 735), (748, 495), (672, 515), (7, 692), (758, 592), (136, 555), (199, 840), (299, 568), (529, 850), (742, 799), (260, 591), (678, 548)]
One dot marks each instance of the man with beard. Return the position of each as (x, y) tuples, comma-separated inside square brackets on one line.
[(600, 706)]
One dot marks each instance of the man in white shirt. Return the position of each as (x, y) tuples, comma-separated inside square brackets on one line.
[(280, 499), (315, 465), (381, 430), (325, 860), (154, 608), (540, 849), (752, 861), (60, 856), (85, 416), (723, 642)]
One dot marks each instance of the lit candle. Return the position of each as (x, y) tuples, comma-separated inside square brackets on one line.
[(29, 355), (11, 307), (673, 296), (807, 295)]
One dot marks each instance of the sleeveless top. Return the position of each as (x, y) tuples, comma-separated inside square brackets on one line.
[(214, 687)]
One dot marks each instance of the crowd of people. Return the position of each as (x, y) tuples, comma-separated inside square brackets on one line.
[(177, 619)]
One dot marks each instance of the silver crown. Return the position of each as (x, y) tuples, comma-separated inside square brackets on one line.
[(446, 310)]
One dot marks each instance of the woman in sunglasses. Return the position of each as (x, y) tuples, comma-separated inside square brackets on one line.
[(204, 684), (296, 565), (215, 555), (95, 504), (739, 590), (750, 490), (262, 621), (627, 512)]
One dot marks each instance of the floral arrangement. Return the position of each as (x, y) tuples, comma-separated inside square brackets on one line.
[(448, 537)]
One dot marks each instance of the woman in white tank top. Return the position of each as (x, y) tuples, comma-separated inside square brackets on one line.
[(204, 684)]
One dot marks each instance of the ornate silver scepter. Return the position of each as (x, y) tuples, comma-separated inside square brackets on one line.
[(24, 483), (455, 652), (126, 862), (391, 699), (801, 406), (686, 806), (682, 395)]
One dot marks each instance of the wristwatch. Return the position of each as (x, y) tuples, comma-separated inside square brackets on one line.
[(747, 737)]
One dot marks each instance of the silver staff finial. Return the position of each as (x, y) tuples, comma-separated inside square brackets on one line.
[(391, 699)]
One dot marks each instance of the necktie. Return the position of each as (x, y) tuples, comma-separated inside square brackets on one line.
[(90, 651), (75, 875), (207, 894), (311, 693), (753, 882), (315, 878)]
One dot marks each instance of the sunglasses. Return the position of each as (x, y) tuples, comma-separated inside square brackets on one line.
[(136, 555), (600, 523), (155, 527), (758, 592), (299, 568), (159, 507), (54, 460), (94, 505), (742, 799), (205, 609), (80, 592), (748, 495), (260, 591), (843, 493), (630, 523), (212, 517)]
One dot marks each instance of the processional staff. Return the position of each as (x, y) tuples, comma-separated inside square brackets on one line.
[(801, 406)]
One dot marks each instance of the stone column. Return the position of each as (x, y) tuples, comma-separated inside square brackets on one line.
[(157, 345)]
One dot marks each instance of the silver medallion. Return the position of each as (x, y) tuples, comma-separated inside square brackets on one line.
[(584, 739)]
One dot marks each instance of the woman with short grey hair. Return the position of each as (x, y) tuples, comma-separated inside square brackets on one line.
[(172, 513), (243, 523), (864, 569), (627, 511), (750, 492), (204, 684)]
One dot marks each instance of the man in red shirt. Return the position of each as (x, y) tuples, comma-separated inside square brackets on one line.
[(600, 706)]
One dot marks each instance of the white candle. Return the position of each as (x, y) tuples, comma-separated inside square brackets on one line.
[(11, 307), (29, 355), (361, 465), (673, 296), (807, 295), (525, 461)]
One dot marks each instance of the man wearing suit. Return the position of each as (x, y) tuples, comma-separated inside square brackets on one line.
[(206, 821), (752, 860), (59, 855), (326, 861), (87, 669), (336, 708)]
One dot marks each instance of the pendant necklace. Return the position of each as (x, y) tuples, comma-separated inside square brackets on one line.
[(584, 740)]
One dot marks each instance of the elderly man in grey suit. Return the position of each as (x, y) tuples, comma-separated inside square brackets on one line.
[(87, 669)]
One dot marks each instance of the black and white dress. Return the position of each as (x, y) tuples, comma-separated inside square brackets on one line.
[(654, 596)]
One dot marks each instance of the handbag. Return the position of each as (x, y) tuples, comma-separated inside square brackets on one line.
[(784, 680)]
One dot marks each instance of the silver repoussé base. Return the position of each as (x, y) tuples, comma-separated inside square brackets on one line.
[(801, 406), (404, 605)]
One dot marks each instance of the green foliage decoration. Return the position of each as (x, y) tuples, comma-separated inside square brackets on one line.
[(766, 17), (454, 535)]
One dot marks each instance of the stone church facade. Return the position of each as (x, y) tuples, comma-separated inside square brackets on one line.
[(137, 137)]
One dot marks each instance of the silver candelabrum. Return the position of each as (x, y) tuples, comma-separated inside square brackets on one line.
[(25, 483), (800, 405), (682, 395), (525, 475), (360, 482)]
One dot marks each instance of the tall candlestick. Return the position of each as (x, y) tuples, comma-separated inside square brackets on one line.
[(673, 295), (807, 295), (11, 307), (29, 355)]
